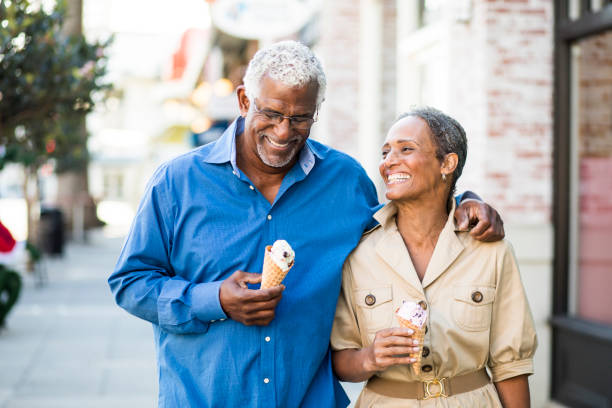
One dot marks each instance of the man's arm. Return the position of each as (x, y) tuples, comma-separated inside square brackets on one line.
[(144, 282), (481, 219)]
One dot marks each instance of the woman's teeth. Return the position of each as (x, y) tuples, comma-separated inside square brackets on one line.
[(397, 178)]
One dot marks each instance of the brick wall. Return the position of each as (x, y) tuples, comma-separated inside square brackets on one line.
[(518, 90), (338, 47), (500, 88)]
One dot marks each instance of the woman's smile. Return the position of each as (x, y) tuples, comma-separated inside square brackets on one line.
[(397, 178)]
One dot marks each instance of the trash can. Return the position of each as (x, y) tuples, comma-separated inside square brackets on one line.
[(51, 233)]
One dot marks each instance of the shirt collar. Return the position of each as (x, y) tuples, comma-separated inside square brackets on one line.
[(224, 149), (386, 216)]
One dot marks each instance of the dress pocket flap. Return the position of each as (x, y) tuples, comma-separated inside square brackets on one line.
[(475, 294), (373, 297)]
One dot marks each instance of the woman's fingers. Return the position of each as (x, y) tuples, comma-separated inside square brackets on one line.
[(396, 351), (386, 362)]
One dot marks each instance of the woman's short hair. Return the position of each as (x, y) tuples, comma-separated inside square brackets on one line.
[(447, 134), (289, 62)]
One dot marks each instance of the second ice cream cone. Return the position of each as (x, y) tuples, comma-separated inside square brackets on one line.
[(419, 334)]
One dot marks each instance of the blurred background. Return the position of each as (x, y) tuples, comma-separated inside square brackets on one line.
[(84, 122)]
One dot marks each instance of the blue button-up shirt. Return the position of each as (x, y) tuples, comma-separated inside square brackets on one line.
[(200, 220)]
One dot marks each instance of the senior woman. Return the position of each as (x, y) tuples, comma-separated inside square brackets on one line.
[(478, 315)]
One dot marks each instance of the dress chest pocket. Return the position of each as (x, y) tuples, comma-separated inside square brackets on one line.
[(472, 306), (375, 306)]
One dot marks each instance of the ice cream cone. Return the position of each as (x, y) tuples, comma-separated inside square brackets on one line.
[(272, 274), (419, 334)]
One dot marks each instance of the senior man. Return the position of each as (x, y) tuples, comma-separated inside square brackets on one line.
[(204, 221)]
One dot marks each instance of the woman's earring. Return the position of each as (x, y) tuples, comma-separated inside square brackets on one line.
[(443, 177)]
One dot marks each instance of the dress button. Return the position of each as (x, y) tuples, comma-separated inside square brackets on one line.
[(252, 188), (267, 338), (423, 305), (266, 380), (269, 217), (425, 351), (477, 297), (427, 368), (370, 299)]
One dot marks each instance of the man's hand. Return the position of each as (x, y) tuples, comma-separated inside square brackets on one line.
[(486, 223), (389, 348), (248, 306)]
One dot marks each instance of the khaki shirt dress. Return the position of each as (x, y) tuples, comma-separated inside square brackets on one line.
[(478, 312)]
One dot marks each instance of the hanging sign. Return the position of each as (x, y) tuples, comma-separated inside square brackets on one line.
[(262, 19)]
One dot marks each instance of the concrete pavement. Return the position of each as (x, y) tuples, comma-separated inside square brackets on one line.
[(67, 344)]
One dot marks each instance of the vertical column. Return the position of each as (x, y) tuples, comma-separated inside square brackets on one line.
[(370, 84)]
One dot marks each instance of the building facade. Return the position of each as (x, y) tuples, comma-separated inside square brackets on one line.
[(530, 81)]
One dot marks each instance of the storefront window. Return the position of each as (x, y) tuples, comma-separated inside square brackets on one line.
[(591, 232)]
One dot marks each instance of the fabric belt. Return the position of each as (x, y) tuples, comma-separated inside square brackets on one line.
[(439, 387)]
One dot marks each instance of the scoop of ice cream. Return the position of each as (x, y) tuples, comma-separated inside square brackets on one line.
[(282, 254), (413, 312)]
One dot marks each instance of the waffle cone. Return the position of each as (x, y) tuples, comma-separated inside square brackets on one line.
[(272, 274), (419, 334)]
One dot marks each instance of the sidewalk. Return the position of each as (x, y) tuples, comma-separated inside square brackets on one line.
[(68, 345)]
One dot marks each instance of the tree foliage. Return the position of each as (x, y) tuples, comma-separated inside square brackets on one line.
[(47, 80)]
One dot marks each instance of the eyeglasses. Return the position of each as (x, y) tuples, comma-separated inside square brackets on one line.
[(275, 118)]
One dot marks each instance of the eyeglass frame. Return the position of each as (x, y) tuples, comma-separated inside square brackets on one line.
[(277, 118)]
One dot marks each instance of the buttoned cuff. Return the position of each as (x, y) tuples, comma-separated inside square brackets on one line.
[(205, 302), (512, 369)]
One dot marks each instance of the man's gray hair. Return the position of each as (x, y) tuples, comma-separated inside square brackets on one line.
[(289, 62), (447, 134)]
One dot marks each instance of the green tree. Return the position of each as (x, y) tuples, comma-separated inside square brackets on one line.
[(48, 80)]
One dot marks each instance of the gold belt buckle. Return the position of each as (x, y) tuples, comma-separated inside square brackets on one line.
[(439, 393)]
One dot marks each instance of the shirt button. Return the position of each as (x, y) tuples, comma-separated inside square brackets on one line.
[(267, 338), (423, 305), (252, 188), (269, 217), (235, 174), (425, 351), (370, 299), (426, 329), (477, 297), (427, 368), (266, 380)]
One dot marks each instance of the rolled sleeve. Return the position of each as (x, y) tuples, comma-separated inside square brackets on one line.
[(513, 337), (512, 369)]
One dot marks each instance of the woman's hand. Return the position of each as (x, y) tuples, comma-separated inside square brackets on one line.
[(390, 347)]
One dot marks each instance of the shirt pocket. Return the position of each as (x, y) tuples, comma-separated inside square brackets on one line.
[(376, 307), (472, 306)]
